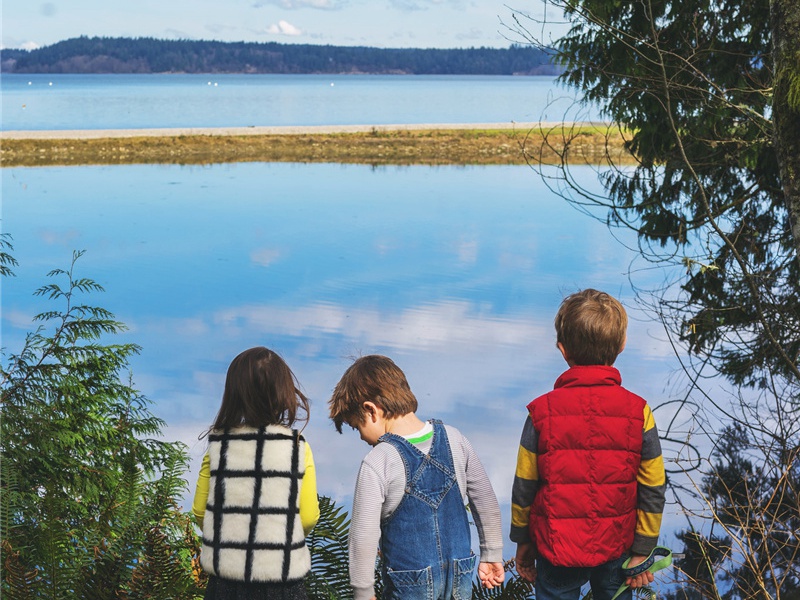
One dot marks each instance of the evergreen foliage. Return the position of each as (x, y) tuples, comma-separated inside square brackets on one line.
[(328, 543), (705, 91), (753, 543), (86, 485), (694, 88), (149, 55)]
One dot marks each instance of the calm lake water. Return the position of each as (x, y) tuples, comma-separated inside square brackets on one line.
[(145, 101), (454, 272)]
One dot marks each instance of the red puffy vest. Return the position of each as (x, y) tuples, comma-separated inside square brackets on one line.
[(589, 450)]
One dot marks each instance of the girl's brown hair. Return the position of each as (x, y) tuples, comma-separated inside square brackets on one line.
[(372, 378), (260, 389), (591, 326)]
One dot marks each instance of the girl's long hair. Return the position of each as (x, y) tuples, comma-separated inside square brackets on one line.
[(260, 389)]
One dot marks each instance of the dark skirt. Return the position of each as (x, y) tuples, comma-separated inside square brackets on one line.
[(225, 589)]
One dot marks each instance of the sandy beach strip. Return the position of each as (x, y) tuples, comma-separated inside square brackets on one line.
[(87, 134)]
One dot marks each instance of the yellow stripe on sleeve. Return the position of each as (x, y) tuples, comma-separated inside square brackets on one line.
[(520, 515), (649, 420), (527, 465), (648, 524), (651, 472)]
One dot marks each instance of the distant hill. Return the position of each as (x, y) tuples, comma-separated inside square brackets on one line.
[(149, 55)]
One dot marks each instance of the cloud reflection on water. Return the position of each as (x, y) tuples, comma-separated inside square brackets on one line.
[(455, 273)]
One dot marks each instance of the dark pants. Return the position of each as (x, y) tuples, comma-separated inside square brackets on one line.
[(564, 583), (223, 589)]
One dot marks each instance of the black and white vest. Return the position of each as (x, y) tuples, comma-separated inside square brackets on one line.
[(252, 530)]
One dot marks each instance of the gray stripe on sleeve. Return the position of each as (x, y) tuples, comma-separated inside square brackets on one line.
[(651, 445), (523, 491), (530, 437), (651, 498), (520, 535)]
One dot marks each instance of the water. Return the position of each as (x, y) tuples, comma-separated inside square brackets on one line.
[(454, 272), (37, 102)]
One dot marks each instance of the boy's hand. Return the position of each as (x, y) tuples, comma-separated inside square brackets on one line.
[(491, 574), (641, 579), (526, 562)]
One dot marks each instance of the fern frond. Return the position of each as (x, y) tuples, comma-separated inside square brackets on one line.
[(328, 544), (6, 259), (513, 588), (19, 581)]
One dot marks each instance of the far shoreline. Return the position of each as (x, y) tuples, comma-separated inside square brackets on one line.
[(87, 134), (401, 144)]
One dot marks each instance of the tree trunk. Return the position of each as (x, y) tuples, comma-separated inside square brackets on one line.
[(785, 25)]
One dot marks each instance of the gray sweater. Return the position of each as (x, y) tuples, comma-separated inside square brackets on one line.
[(380, 487)]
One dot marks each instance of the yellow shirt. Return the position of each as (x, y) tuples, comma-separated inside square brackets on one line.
[(309, 502)]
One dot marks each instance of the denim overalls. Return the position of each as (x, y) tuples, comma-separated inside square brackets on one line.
[(425, 542)]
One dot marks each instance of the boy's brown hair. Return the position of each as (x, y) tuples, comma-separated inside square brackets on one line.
[(591, 326), (375, 379)]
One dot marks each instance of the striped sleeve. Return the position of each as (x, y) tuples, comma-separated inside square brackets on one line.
[(482, 502), (526, 483), (365, 526), (651, 489)]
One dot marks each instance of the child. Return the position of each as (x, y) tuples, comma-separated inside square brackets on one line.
[(589, 485), (256, 497), (411, 492)]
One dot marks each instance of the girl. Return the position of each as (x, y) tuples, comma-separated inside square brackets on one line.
[(256, 497)]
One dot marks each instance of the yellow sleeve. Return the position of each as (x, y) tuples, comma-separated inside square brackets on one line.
[(201, 491), (309, 502)]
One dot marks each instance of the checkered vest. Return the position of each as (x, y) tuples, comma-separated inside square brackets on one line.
[(252, 530)]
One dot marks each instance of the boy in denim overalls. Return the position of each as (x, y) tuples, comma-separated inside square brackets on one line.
[(411, 492)]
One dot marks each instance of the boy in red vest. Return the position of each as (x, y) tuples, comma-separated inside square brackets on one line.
[(589, 486)]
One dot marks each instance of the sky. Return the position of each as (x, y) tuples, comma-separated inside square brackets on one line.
[(31, 24)]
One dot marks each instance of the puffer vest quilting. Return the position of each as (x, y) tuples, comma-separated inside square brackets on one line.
[(589, 451)]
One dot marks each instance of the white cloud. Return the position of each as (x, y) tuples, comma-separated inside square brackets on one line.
[(19, 319), (29, 46), (299, 4), (414, 5), (467, 251), (284, 28), (265, 256), (51, 237), (441, 324)]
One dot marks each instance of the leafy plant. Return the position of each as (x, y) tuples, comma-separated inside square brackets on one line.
[(513, 588), (85, 484), (328, 544)]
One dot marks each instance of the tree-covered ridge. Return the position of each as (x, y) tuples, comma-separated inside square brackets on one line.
[(149, 55)]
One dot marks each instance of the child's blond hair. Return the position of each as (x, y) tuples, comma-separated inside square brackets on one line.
[(591, 326)]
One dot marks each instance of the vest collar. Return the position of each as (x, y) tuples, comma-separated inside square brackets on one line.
[(583, 375)]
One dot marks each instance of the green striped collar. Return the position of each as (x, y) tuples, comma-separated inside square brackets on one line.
[(423, 435)]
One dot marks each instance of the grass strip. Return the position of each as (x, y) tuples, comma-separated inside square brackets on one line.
[(583, 144)]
